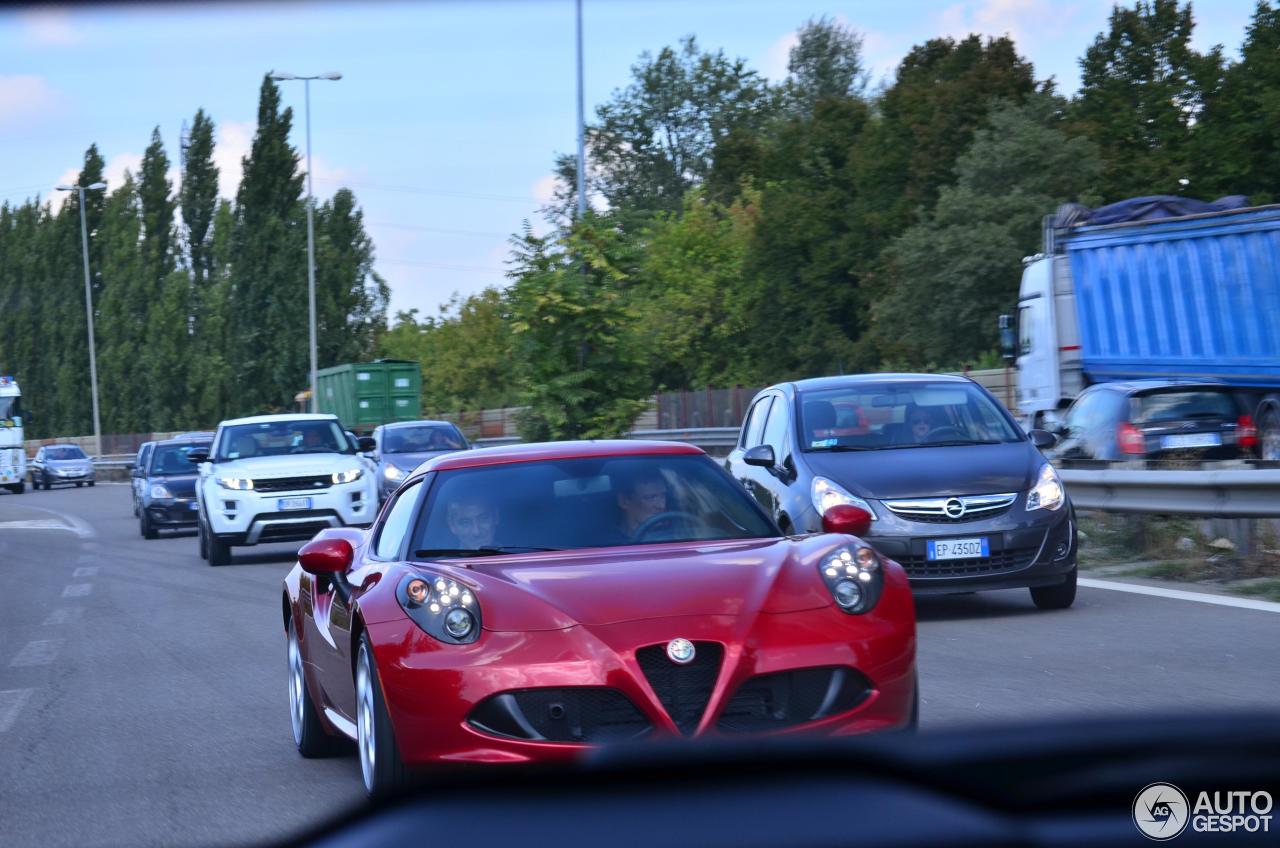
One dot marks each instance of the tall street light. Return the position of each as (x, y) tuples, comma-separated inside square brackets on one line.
[(582, 144), (88, 307), (311, 227)]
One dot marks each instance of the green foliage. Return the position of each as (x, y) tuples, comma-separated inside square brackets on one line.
[(576, 351), (1143, 88), (825, 63)]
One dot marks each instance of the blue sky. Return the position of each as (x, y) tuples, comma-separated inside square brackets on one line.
[(449, 113)]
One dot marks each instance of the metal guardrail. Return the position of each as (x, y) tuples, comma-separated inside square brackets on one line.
[(703, 437), (1227, 493)]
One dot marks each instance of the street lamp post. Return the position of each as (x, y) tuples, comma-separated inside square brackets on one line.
[(88, 307), (311, 227), (582, 143)]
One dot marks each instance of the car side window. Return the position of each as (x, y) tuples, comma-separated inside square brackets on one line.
[(775, 430), (1082, 417), (395, 527), (40, 455), (755, 422)]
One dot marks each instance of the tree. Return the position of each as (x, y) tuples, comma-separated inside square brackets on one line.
[(199, 197), (576, 355), (351, 299), (122, 329), (267, 346), (1142, 90), (954, 272), (825, 63)]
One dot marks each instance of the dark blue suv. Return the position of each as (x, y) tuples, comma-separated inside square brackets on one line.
[(956, 492)]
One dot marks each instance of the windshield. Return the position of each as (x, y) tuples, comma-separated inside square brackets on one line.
[(172, 459), (586, 503), (64, 452), (879, 416), (10, 409), (423, 438), (281, 438)]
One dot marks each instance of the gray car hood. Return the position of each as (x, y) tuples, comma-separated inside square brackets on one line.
[(931, 472)]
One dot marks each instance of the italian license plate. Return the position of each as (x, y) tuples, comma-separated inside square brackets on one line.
[(1191, 440), (285, 504), (958, 548)]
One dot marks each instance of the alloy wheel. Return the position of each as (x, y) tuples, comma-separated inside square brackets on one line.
[(366, 730)]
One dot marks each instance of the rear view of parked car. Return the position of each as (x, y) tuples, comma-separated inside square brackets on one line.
[(61, 465), (1156, 420), (957, 493)]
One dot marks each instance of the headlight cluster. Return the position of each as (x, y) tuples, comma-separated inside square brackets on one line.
[(160, 492), (349, 476), (1047, 493), (446, 610), (238, 484), (828, 493), (392, 473), (854, 578)]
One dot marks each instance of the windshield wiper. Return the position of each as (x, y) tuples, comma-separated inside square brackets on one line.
[(481, 552), (841, 449), (952, 443)]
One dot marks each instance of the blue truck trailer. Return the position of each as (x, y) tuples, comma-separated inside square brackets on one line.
[(1192, 296)]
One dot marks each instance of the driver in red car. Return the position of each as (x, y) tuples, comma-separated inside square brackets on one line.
[(641, 496), (473, 520)]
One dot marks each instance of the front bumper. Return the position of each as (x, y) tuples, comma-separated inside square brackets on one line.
[(54, 478), (432, 690), (1026, 549), (175, 512), (250, 517)]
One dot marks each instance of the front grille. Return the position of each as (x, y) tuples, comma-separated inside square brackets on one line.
[(789, 698), (1010, 560), (684, 690), (586, 714), (942, 510), (292, 484)]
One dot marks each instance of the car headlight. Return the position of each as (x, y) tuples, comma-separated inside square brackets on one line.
[(1047, 493), (349, 476), (445, 608), (828, 493), (159, 491), (393, 473), (854, 578), (239, 484)]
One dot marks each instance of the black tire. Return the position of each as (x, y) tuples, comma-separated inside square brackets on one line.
[(91, 482), (913, 722), (384, 774), (146, 528), (18, 488), (201, 538), (219, 551), (47, 483), (79, 484), (1056, 597), (35, 484), (308, 733)]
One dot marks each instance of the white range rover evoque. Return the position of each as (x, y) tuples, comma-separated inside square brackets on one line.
[(279, 478)]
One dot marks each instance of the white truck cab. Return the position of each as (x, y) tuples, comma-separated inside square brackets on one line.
[(13, 454), (279, 478)]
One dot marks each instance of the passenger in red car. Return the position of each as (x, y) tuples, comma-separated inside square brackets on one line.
[(473, 519)]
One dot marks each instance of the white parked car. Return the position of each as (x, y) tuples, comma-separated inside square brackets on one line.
[(279, 478)]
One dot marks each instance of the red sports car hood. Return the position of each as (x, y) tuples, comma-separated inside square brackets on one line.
[(557, 590)]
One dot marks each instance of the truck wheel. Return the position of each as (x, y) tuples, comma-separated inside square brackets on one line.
[(79, 484), (1269, 435), (1056, 597), (219, 551)]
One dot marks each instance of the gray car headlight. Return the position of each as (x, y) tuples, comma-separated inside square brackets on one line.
[(854, 578), (442, 607), (1047, 493), (827, 493), (160, 492), (391, 472)]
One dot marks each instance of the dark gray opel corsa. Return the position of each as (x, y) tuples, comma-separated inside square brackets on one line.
[(951, 487)]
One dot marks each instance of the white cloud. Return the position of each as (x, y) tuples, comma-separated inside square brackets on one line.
[(774, 64), (234, 138), (48, 27), (25, 97), (113, 171), (1021, 20), (544, 189)]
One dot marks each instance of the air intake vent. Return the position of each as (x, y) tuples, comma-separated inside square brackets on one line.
[(683, 689)]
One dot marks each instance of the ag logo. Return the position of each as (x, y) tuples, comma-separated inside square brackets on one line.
[(680, 651), (1160, 811)]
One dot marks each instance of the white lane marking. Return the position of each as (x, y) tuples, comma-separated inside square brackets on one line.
[(11, 703), (63, 615), (85, 571), (36, 524), (40, 652), (1180, 595), (77, 590), (69, 522)]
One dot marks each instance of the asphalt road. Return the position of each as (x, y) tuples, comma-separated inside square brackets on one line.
[(143, 700)]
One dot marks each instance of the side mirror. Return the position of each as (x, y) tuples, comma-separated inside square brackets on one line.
[(846, 518), (366, 444), (198, 455), (326, 556), (137, 472), (760, 455), (1008, 338), (1043, 439)]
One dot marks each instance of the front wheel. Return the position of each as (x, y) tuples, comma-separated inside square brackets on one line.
[(79, 484), (219, 551), (91, 482), (1056, 597), (380, 763), (18, 488), (146, 528), (308, 734), (35, 484)]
